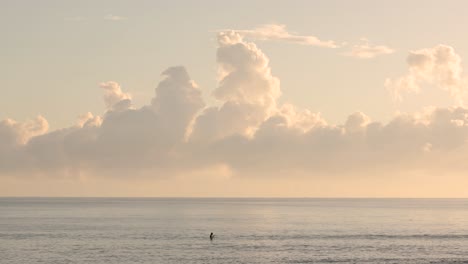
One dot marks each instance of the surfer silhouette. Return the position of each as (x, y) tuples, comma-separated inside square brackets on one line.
[(211, 236)]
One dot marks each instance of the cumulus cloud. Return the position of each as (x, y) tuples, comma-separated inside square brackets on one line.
[(249, 134), (430, 143), (279, 32), (366, 50), (20, 132), (439, 66), (14, 138), (114, 98), (247, 90), (89, 120)]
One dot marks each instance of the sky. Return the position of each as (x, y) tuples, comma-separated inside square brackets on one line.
[(233, 98)]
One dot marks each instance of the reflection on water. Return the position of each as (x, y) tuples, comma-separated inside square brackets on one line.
[(157, 230)]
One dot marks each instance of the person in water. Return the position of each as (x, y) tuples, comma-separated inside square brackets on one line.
[(211, 236)]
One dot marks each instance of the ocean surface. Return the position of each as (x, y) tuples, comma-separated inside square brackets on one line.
[(176, 230)]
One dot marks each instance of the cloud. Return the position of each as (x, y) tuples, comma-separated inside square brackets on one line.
[(89, 120), (124, 139), (248, 135), (439, 66), (111, 17), (365, 50), (430, 143), (114, 98), (14, 138), (279, 32), (247, 90), (20, 132)]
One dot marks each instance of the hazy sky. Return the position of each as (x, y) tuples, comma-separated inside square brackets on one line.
[(233, 98)]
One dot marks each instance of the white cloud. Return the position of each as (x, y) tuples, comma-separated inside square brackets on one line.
[(21, 132), (366, 50), (89, 120), (279, 32), (14, 138), (114, 98), (439, 66), (247, 90)]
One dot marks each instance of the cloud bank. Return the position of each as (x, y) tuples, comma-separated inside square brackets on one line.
[(249, 135)]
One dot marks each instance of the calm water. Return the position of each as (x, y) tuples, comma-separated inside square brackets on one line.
[(115, 230)]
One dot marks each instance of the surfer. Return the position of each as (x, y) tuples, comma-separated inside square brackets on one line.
[(211, 236)]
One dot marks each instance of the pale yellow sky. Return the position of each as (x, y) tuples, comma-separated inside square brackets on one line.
[(308, 99)]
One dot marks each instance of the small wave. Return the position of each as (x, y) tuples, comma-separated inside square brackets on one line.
[(356, 236)]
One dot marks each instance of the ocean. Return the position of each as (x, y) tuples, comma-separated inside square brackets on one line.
[(247, 230)]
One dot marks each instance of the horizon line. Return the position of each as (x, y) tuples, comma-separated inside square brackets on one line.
[(235, 197)]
